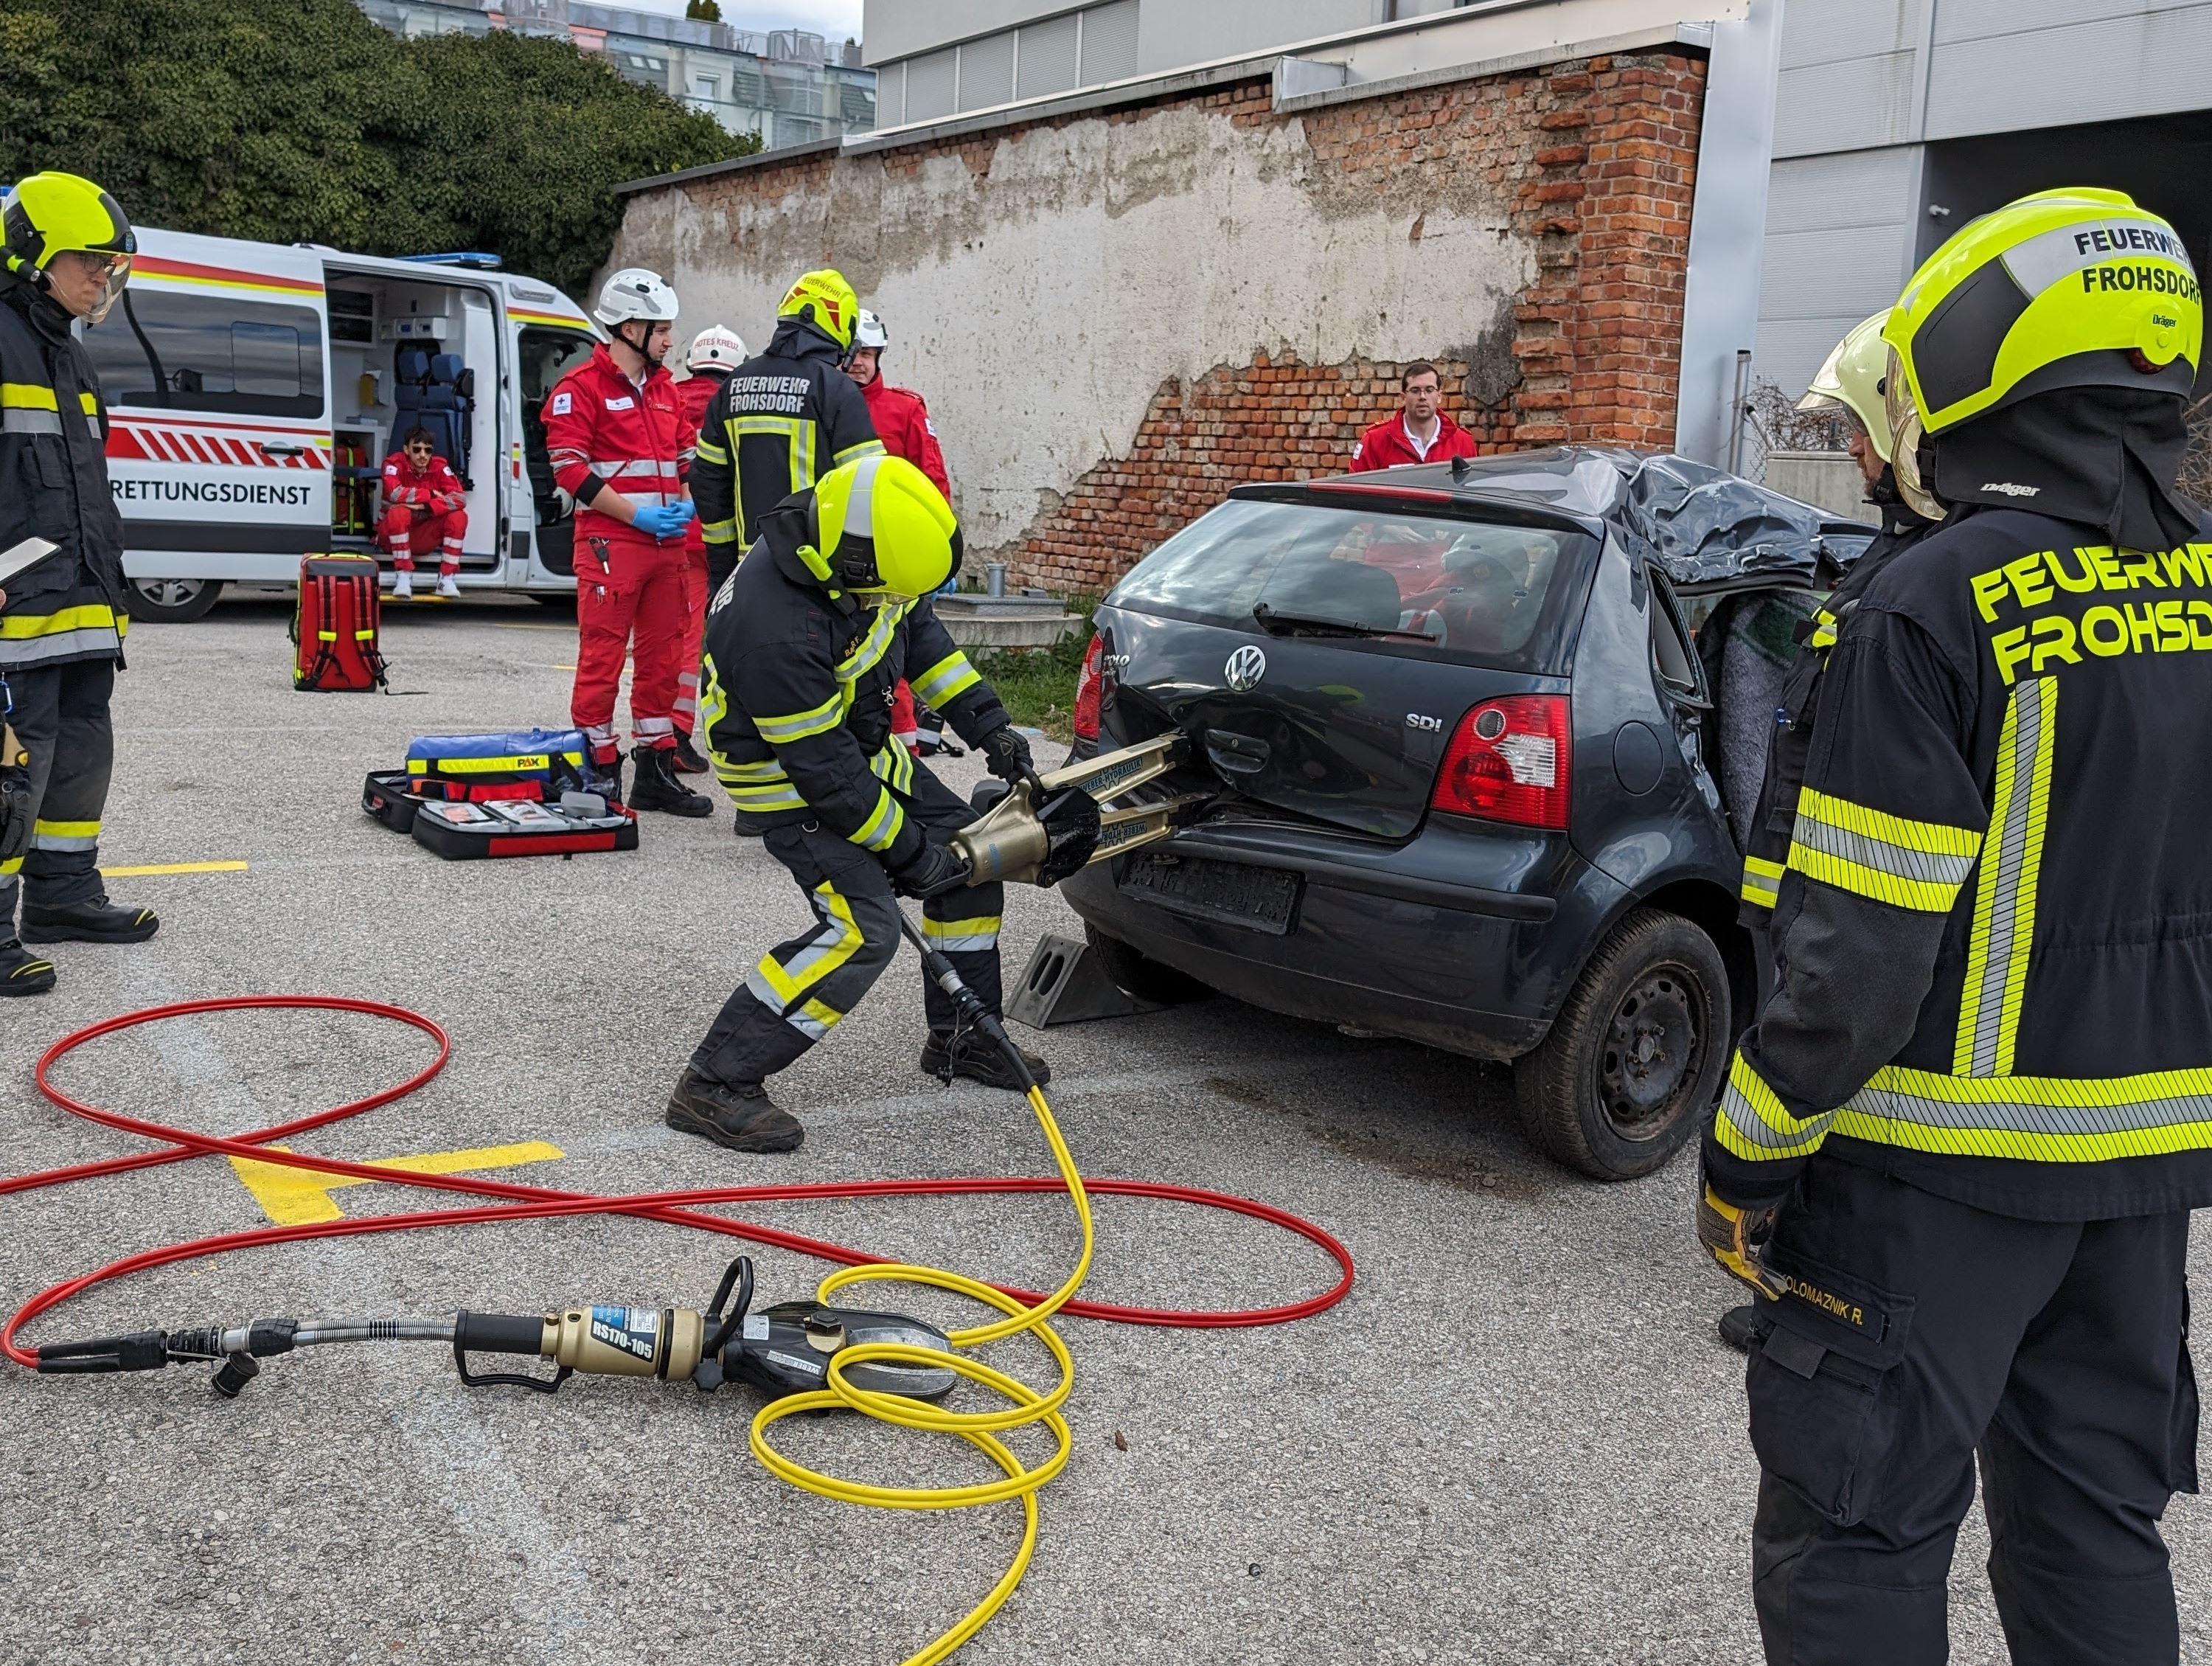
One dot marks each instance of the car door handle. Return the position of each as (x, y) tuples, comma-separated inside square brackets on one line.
[(278, 449), (1236, 754)]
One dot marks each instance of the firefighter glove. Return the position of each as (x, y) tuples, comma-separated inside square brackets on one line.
[(1007, 755), (1737, 1240), (930, 870)]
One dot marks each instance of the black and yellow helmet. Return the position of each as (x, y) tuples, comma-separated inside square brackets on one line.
[(50, 214), (825, 300), (881, 529)]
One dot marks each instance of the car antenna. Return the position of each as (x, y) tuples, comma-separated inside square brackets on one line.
[(1461, 468)]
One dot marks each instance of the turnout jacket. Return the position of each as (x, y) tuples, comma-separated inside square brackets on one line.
[(53, 484), (1776, 817), (795, 691), (784, 419), (1993, 935)]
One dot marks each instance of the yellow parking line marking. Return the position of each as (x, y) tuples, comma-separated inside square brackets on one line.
[(171, 867), (292, 1197)]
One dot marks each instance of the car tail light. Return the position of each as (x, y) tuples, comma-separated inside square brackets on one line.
[(1509, 760), (1087, 691)]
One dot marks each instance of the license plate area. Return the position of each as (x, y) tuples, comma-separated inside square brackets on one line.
[(1263, 899)]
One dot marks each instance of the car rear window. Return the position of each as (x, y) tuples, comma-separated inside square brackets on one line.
[(1489, 594)]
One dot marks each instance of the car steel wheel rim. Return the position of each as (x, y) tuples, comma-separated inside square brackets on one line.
[(1653, 1048), (168, 593)]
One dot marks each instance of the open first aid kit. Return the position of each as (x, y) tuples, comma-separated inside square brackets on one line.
[(473, 796)]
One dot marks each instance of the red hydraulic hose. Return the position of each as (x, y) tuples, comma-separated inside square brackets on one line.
[(517, 1203)]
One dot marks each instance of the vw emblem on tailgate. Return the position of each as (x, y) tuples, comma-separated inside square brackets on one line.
[(1245, 668)]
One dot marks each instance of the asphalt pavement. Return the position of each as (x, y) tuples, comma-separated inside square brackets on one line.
[(1518, 1439)]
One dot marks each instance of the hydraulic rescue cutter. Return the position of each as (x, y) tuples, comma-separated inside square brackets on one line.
[(1038, 833), (784, 1349)]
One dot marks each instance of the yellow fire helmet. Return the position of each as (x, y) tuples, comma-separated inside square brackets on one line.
[(1850, 380), (2077, 287), (48, 214), (881, 529), (828, 301)]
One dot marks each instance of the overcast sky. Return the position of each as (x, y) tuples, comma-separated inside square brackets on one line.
[(834, 19)]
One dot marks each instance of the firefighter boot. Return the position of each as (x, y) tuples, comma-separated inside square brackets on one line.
[(656, 786), (737, 1115), (21, 972), (688, 760), (970, 1055), (95, 919)]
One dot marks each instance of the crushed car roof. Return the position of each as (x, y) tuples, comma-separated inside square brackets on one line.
[(1707, 529)]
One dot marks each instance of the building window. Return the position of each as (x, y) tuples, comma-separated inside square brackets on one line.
[(1047, 60), (242, 358), (1109, 42), (987, 72)]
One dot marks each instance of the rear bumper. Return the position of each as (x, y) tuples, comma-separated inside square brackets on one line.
[(1463, 939)]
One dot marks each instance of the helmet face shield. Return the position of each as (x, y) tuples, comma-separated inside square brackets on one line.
[(1851, 379), (1905, 440), (111, 288)]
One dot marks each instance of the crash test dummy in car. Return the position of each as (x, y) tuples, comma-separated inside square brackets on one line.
[(68, 254), (827, 611), (1956, 1156)]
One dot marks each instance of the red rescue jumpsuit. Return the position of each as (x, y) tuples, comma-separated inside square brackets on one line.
[(1390, 443), (695, 390), (422, 511), (902, 424), (603, 429)]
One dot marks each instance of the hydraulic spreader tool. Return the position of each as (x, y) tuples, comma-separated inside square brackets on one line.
[(807, 1356)]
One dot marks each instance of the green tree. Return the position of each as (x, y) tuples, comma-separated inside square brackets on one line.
[(702, 11), (301, 120)]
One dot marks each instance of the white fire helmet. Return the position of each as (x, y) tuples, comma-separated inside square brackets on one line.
[(718, 347), (635, 293), (870, 332)]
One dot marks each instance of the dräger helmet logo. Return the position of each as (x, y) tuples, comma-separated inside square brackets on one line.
[(2009, 489)]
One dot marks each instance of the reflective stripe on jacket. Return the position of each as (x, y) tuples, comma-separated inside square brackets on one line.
[(795, 692), (784, 419), (53, 485), (601, 425), (1993, 933)]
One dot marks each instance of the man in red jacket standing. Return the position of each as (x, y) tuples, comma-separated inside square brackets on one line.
[(423, 510), (714, 356), (1419, 433), (902, 424), (618, 439)]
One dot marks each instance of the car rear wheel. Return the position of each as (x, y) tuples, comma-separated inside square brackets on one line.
[(1138, 975), (1635, 1056), (174, 601)]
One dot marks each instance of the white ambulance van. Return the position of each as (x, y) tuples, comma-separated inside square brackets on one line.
[(256, 389)]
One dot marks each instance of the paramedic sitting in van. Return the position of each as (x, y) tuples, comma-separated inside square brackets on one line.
[(616, 431), (67, 256), (423, 510)]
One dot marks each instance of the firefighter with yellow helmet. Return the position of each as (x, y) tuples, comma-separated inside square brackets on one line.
[(805, 644), (1956, 1156), (784, 419), (68, 252)]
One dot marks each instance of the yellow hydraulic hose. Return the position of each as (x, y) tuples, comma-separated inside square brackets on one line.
[(979, 1429)]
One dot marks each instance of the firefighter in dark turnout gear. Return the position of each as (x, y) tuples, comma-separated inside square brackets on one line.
[(787, 418), (1850, 380), (805, 643), (1956, 1156), (68, 255)]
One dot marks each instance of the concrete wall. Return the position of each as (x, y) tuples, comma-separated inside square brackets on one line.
[(1131, 311)]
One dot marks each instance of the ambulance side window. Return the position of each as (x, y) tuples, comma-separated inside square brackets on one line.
[(545, 356), (210, 353)]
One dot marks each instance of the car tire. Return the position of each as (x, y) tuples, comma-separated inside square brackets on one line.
[(1635, 1057), (1139, 975), (173, 601)]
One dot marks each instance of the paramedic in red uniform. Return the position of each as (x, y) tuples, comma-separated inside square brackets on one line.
[(714, 356), (616, 431), (902, 424), (423, 510), (1419, 433)]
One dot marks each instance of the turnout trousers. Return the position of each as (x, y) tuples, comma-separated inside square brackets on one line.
[(62, 719), (1924, 1334), (801, 988), (630, 602)]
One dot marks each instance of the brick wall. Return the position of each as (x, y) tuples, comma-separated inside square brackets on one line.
[(1600, 158), (1213, 232)]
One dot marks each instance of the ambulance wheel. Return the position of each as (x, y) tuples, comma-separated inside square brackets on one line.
[(174, 601)]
